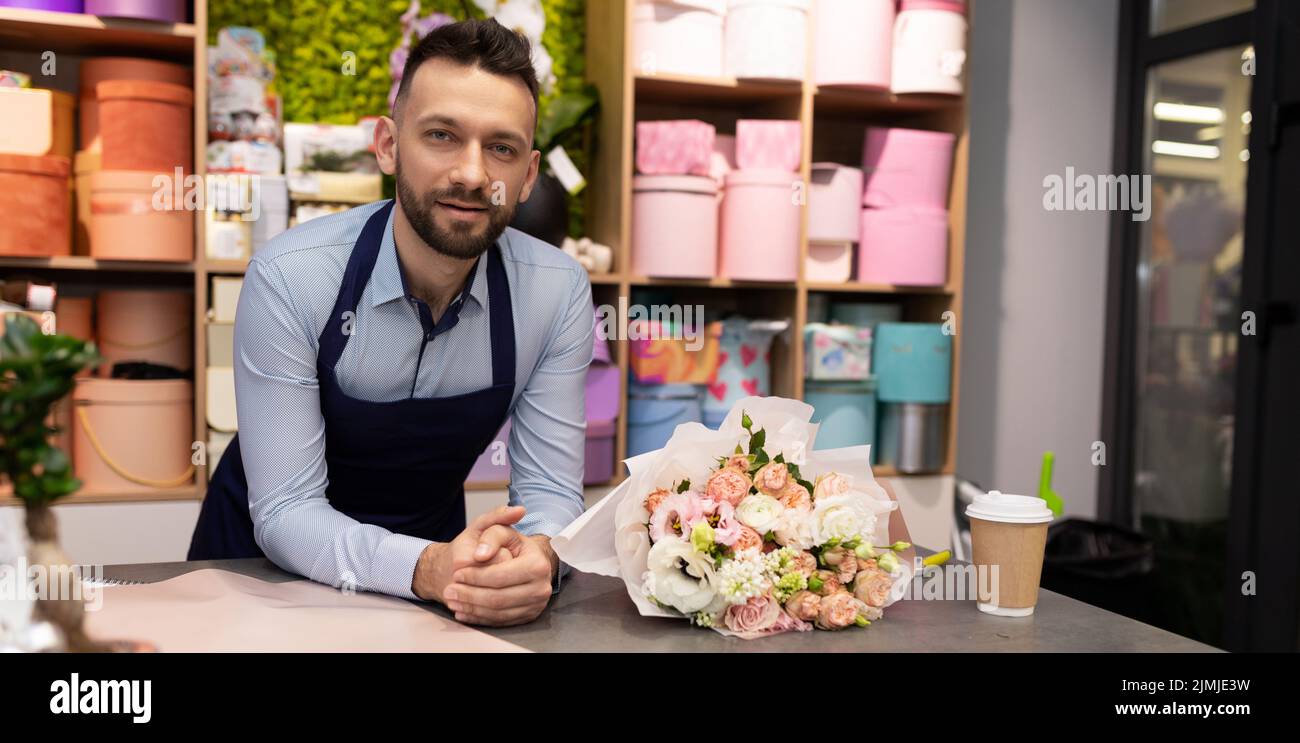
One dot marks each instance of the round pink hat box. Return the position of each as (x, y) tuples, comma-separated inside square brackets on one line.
[(834, 203), (760, 226), (907, 167), (853, 42), (150, 326), (675, 226), (907, 246), (133, 433)]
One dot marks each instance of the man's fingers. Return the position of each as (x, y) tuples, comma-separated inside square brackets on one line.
[(505, 574), (472, 615), (504, 515), (495, 618), (496, 538), (461, 597), (463, 557)]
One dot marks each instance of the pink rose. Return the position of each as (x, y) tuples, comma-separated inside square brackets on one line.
[(759, 614), (824, 583), (772, 479), (804, 605), (837, 611), (674, 514), (739, 462), (872, 587), (786, 623), (843, 562), (829, 485), (748, 540), (804, 563), (796, 496), (653, 500), (727, 484)]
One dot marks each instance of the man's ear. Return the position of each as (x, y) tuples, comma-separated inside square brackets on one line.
[(386, 145), (534, 162)]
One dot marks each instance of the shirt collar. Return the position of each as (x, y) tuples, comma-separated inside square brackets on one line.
[(388, 282)]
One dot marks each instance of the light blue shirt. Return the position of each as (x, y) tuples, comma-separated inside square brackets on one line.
[(289, 290)]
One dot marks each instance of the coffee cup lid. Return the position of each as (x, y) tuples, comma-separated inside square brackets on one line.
[(1012, 509)]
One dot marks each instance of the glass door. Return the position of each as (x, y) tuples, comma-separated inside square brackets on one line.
[(1201, 411), (1188, 275)]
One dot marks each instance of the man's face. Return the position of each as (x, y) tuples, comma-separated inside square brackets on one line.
[(463, 157)]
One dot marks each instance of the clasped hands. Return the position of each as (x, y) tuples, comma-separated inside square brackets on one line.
[(490, 574)]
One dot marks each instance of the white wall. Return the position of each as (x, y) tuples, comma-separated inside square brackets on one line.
[(1042, 75)]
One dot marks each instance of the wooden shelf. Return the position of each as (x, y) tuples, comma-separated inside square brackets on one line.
[(183, 493), (858, 287), (712, 90), (857, 101), (225, 266), (86, 263), (717, 283), (81, 34), (605, 278)]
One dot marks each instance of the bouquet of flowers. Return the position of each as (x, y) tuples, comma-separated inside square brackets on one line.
[(747, 530)]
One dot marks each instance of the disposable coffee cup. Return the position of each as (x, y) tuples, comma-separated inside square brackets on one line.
[(1008, 534)]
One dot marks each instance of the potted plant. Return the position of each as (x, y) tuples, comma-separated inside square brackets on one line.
[(36, 371)]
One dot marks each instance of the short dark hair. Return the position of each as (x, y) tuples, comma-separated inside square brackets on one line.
[(484, 44)]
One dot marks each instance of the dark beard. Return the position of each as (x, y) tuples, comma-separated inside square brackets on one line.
[(454, 243)]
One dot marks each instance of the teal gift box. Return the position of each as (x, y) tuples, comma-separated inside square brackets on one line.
[(912, 362)]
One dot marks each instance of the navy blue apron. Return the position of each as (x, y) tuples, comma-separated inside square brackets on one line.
[(401, 464)]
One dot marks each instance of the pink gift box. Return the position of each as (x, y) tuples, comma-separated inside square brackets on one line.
[(760, 226), (683, 147), (906, 246), (763, 144), (907, 167)]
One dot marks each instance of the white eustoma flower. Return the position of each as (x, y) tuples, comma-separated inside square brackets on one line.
[(843, 517), (760, 512), (680, 576), (794, 529)]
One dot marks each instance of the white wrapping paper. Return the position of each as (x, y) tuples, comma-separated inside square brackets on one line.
[(611, 538)]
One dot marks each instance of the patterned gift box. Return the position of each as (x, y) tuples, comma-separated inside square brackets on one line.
[(768, 144), (839, 352), (682, 147)]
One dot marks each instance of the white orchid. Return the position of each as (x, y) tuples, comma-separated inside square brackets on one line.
[(528, 18)]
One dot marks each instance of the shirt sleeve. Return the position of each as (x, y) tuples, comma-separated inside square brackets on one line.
[(549, 427), (282, 440)]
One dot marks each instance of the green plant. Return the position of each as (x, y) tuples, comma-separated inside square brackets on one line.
[(308, 38), (36, 371)]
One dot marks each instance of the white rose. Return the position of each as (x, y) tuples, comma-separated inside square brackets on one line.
[(843, 517), (794, 529), (760, 512), (680, 576)]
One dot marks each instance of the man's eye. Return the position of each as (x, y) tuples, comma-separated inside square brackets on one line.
[(504, 150), (440, 135)]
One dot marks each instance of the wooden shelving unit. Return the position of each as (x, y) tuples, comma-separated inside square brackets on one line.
[(72, 36), (833, 120)]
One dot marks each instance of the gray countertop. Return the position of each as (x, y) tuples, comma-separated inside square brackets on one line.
[(594, 613)]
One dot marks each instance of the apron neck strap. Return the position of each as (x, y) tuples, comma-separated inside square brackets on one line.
[(361, 264)]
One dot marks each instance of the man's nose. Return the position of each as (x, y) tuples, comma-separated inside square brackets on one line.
[(469, 172)]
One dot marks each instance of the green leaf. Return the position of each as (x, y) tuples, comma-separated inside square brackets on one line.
[(745, 422), (683, 486), (757, 440), (779, 458)]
